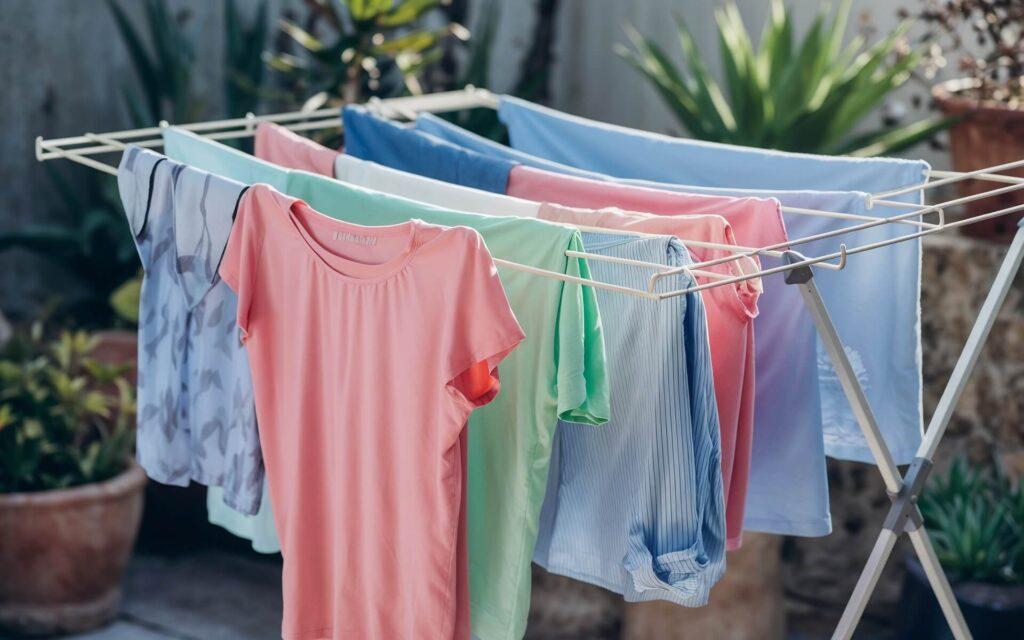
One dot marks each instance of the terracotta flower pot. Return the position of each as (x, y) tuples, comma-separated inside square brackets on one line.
[(63, 554), (118, 346), (990, 133)]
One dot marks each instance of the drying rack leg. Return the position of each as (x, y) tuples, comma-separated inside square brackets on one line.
[(940, 585), (865, 585), (904, 491)]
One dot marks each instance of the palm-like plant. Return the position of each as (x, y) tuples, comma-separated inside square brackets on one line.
[(379, 47), (163, 69), (91, 243), (976, 522), (806, 95)]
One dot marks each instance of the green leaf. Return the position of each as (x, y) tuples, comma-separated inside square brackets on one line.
[(145, 67), (366, 10), (412, 42), (742, 73), (125, 300), (704, 88), (891, 141), (407, 12), (305, 39), (674, 89)]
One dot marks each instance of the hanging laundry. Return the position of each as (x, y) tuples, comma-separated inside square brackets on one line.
[(884, 345), (196, 420), (286, 148), (636, 507), (370, 347), (407, 153), (731, 338), (730, 330), (599, 146), (557, 373), (280, 146), (788, 485)]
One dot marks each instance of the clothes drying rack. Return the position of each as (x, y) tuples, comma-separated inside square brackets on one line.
[(904, 489)]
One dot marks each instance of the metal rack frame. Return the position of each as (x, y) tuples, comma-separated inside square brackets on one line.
[(904, 516)]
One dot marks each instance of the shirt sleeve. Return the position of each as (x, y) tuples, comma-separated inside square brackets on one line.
[(582, 378), (484, 330), (240, 262)]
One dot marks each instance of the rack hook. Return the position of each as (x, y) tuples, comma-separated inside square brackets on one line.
[(842, 258), (652, 282), (250, 121)]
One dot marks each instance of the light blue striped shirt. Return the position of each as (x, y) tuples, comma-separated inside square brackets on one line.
[(636, 506)]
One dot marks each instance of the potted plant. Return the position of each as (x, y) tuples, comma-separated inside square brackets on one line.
[(976, 523), (70, 493), (805, 94), (986, 99)]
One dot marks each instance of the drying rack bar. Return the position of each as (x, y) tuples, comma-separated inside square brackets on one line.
[(327, 118), (79, 148)]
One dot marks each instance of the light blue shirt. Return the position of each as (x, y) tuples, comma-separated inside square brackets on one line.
[(636, 506), (196, 416)]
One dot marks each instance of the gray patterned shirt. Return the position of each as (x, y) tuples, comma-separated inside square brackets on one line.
[(196, 417)]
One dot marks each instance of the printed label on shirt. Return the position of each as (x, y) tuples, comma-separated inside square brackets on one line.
[(369, 241)]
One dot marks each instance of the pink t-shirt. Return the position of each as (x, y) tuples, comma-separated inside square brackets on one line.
[(286, 148), (754, 220), (730, 313), (369, 349)]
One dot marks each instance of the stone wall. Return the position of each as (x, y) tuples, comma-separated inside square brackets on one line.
[(64, 71)]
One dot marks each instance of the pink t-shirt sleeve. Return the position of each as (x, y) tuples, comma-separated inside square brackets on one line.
[(286, 148), (241, 257), (483, 329)]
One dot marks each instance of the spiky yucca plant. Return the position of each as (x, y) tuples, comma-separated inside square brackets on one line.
[(976, 522), (806, 95)]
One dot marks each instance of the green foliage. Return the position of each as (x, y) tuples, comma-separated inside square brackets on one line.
[(805, 95), (976, 522), (65, 418), (375, 47), (476, 71), (244, 67), (93, 246), (163, 69), (125, 300)]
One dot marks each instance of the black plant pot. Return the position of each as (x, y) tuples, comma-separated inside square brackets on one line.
[(993, 612)]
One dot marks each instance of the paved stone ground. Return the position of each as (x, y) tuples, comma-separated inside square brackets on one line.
[(213, 594), (208, 595)]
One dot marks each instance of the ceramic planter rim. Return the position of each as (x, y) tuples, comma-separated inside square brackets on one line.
[(123, 483), (949, 96)]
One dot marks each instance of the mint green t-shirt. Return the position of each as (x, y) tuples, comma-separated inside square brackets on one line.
[(558, 372)]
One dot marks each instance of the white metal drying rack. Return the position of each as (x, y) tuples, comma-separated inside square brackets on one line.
[(903, 489)]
